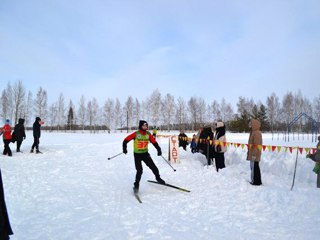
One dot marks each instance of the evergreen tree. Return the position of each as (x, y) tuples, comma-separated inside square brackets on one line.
[(70, 118), (262, 117)]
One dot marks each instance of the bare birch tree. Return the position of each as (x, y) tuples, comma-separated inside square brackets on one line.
[(193, 110), (168, 109), (316, 108), (129, 112), (41, 103), (181, 113), (154, 107), (82, 112), (108, 112), (18, 97), (61, 112), (273, 110)]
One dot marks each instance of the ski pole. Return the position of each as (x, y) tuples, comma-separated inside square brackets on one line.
[(115, 156), (168, 163), (295, 169)]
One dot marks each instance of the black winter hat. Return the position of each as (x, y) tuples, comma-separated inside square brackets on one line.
[(38, 119), (21, 121), (141, 123)]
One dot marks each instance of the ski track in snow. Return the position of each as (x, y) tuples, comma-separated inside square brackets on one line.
[(72, 191)]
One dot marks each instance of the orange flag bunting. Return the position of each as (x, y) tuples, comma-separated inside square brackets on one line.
[(260, 147), (269, 148), (242, 146)]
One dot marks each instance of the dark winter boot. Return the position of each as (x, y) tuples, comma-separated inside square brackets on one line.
[(160, 180), (31, 151), (38, 151), (136, 187)]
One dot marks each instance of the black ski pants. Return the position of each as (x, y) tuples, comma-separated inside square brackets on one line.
[(19, 142), (145, 157), (219, 159), (7, 149), (35, 143)]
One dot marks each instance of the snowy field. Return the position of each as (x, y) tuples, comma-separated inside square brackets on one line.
[(72, 191)]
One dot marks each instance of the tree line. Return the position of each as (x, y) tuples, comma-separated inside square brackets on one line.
[(164, 111)]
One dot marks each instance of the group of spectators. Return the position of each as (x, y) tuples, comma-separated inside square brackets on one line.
[(211, 142)]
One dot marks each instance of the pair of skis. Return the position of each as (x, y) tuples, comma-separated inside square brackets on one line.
[(136, 193)]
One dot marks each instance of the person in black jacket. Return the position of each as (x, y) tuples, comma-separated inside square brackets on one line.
[(183, 140), (5, 227), (205, 145), (19, 133), (36, 135)]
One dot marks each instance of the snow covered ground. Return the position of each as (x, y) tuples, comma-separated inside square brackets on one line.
[(72, 191)]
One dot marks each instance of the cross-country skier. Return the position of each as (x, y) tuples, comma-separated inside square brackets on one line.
[(141, 138)]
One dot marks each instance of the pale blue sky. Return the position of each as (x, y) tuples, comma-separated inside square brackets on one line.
[(203, 48)]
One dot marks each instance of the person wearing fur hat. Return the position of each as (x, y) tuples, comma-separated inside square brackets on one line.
[(219, 147), (19, 133), (254, 153), (316, 158), (141, 138), (36, 135), (7, 138)]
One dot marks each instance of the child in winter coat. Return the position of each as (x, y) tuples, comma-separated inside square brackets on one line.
[(141, 138), (316, 158), (193, 144), (7, 137)]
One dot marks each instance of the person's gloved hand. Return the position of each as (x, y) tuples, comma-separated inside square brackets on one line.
[(159, 152), (124, 150)]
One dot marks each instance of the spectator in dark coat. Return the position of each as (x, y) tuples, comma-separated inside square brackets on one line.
[(205, 143), (36, 135), (183, 140), (19, 133), (220, 148), (5, 228)]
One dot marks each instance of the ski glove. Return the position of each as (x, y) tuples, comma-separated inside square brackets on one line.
[(124, 147), (156, 145)]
